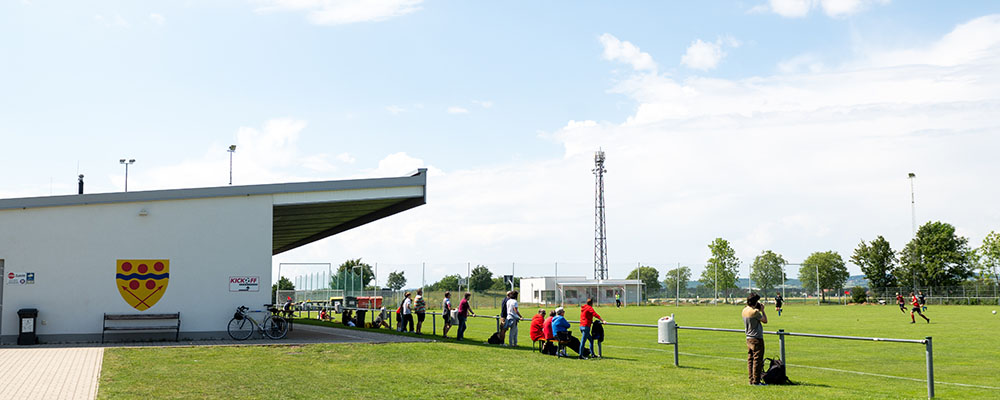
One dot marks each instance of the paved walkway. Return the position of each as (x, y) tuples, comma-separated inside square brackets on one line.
[(72, 371), (50, 373)]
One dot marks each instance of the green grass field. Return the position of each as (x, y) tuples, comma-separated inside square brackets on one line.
[(713, 364)]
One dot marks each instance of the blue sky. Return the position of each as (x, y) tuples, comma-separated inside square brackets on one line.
[(786, 125)]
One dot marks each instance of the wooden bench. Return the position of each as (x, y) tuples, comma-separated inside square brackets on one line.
[(143, 317)]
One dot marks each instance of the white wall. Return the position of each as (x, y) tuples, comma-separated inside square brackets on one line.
[(72, 250)]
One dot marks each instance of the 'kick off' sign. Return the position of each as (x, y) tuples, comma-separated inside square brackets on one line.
[(244, 283)]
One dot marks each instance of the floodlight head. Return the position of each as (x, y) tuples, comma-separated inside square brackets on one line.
[(232, 148), (911, 175), (131, 161), (122, 161)]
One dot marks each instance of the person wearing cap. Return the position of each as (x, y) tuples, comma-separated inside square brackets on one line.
[(587, 316), (560, 326), (289, 304)]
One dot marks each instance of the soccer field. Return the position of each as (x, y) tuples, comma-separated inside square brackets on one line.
[(713, 364)]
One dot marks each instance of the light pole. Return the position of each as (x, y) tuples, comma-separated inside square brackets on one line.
[(232, 149), (126, 163), (913, 220)]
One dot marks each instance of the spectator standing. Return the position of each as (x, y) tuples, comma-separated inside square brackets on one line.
[(464, 311), (753, 317), (420, 308), (407, 313), (618, 299), (560, 327), (503, 316), (446, 310), (587, 315), (513, 317)]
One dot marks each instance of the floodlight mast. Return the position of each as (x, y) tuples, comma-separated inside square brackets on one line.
[(600, 235)]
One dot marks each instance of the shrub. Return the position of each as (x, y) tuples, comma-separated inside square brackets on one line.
[(858, 295)]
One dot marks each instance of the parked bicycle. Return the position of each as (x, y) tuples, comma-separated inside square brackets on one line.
[(242, 326)]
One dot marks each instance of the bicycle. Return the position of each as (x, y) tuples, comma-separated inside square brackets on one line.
[(241, 327)]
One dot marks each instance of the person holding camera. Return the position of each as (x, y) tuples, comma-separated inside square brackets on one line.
[(753, 317)]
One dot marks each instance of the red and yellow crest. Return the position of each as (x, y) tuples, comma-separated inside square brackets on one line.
[(142, 282)]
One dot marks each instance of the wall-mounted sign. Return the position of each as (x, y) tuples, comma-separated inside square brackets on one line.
[(20, 278), (142, 283), (244, 283)]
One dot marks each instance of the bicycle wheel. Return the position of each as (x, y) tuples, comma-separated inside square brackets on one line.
[(275, 327), (240, 329)]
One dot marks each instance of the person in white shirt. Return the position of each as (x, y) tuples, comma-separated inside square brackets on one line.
[(407, 313), (513, 316)]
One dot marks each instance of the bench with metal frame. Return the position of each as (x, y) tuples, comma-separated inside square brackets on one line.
[(142, 317)]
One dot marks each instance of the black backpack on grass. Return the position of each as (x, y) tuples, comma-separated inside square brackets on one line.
[(775, 374)]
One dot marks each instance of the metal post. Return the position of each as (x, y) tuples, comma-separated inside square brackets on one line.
[(818, 293), (930, 368), (677, 343), (781, 346), (678, 295)]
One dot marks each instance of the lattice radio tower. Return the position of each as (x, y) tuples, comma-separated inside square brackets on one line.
[(600, 237)]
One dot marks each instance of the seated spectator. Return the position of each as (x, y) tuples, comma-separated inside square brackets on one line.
[(560, 326), (348, 318), (536, 331), (547, 326), (379, 320)]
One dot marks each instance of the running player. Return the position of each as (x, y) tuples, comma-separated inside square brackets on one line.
[(923, 301), (900, 303), (777, 303), (916, 309)]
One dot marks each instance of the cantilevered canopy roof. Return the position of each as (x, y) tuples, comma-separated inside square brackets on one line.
[(303, 212)]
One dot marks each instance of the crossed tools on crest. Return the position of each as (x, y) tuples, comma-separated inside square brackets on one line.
[(143, 300)]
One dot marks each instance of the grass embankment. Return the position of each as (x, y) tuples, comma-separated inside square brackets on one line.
[(712, 364)]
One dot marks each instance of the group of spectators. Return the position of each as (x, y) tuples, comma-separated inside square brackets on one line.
[(556, 327)]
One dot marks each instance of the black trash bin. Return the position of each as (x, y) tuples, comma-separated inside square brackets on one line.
[(26, 331)]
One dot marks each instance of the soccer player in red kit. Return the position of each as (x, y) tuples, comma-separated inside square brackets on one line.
[(916, 308)]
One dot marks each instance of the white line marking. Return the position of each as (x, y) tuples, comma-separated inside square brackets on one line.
[(820, 368)]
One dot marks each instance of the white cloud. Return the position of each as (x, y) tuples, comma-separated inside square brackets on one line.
[(483, 104), (626, 52), (702, 55), (796, 162), (457, 110), (157, 19), (339, 12), (395, 110), (801, 8), (346, 158)]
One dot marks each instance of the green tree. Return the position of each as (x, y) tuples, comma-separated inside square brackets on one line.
[(283, 284), (348, 275), (649, 276), (935, 257), (481, 279), (449, 282), (878, 261), (683, 274), (498, 284), (988, 258), (724, 262), (397, 279), (767, 271), (832, 271)]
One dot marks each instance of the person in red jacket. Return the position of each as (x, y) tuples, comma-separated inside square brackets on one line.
[(536, 333), (547, 326), (587, 315), (916, 309)]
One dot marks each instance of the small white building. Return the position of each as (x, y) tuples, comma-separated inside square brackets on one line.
[(198, 252), (576, 289)]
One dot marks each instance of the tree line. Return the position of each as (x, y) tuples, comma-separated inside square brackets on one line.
[(936, 256)]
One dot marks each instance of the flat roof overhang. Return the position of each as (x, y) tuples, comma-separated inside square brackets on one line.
[(303, 212)]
